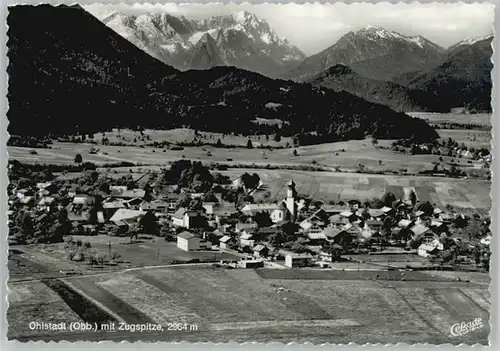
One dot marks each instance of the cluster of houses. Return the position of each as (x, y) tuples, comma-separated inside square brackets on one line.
[(224, 226)]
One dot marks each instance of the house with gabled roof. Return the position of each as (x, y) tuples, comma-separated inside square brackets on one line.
[(240, 226), (126, 215), (188, 218), (187, 241), (419, 229), (376, 213), (260, 251), (125, 193), (246, 239), (226, 241)]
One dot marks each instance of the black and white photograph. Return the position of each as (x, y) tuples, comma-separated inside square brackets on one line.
[(274, 172)]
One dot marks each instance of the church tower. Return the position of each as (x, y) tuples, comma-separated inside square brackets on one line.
[(291, 196)]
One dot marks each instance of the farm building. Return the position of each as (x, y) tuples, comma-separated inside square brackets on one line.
[(427, 249), (331, 210), (156, 205), (124, 193), (225, 210), (225, 241), (240, 227), (374, 224), (126, 215), (318, 218), (246, 239), (419, 229), (111, 206), (376, 213), (260, 251), (189, 242), (253, 209), (83, 200), (187, 219), (316, 239), (298, 260), (330, 255)]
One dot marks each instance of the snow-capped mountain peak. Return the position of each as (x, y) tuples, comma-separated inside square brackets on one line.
[(235, 37), (377, 33), (245, 17), (474, 40)]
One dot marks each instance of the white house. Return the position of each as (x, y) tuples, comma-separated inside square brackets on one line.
[(189, 242), (186, 219), (425, 250), (246, 239), (225, 241), (297, 260)]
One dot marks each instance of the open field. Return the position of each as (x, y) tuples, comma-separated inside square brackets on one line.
[(35, 302), (245, 305), (50, 259), (345, 155), (331, 186), (483, 119), (470, 137)]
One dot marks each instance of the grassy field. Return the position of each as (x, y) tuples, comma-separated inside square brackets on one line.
[(327, 186), (345, 155), (35, 302), (471, 138), (477, 118), (319, 307), (147, 251)]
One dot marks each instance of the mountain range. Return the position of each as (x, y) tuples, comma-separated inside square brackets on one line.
[(242, 40), (463, 79), (379, 65), (373, 52), (65, 80), (404, 73)]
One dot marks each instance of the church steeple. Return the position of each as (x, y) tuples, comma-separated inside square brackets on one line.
[(291, 195)]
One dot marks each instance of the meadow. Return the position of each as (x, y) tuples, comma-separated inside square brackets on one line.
[(48, 260), (346, 156), (483, 119), (249, 305)]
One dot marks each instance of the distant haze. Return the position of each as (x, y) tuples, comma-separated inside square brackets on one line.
[(313, 27)]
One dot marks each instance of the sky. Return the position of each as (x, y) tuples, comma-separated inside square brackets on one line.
[(313, 27)]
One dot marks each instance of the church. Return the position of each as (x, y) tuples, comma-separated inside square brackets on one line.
[(285, 210)]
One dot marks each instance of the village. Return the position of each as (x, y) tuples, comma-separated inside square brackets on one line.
[(201, 211)]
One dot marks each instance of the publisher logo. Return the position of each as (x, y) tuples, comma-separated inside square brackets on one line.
[(464, 328)]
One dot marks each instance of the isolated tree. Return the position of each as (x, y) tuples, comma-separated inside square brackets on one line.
[(262, 219), (250, 181), (78, 159), (425, 207), (413, 197), (295, 153), (374, 141), (277, 137), (149, 223), (388, 199), (249, 144)]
